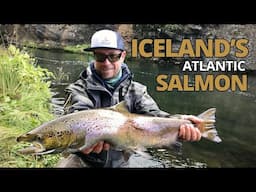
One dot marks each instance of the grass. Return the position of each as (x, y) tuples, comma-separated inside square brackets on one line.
[(24, 104)]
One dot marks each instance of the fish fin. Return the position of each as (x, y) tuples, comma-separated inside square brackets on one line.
[(67, 152), (142, 152), (127, 154), (176, 146), (207, 127), (120, 107)]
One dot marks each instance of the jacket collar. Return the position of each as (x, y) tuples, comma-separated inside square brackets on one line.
[(94, 81)]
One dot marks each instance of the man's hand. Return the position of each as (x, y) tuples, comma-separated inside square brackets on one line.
[(97, 148), (189, 132)]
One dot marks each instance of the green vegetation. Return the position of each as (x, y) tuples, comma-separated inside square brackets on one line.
[(76, 48), (60, 75), (24, 105), (79, 49)]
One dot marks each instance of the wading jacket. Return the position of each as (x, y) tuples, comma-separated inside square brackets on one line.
[(90, 92)]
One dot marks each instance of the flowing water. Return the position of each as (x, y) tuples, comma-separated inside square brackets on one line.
[(234, 117)]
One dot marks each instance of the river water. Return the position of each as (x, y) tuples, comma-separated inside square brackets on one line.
[(234, 117)]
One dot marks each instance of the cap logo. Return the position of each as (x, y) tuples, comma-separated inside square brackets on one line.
[(105, 41), (106, 38)]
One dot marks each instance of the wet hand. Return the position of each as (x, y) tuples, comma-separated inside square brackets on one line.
[(97, 148), (189, 132)]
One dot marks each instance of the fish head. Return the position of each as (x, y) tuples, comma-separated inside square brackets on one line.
[(35, 147), (40, 144)]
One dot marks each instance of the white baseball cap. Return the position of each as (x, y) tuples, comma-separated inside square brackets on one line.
[(106, 39)]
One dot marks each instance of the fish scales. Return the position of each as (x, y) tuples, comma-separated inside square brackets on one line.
[(116, 125)]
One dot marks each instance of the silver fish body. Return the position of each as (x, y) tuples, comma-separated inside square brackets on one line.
[(114, 125)]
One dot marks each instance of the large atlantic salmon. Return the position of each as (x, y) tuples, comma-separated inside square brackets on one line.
[(115, 125)]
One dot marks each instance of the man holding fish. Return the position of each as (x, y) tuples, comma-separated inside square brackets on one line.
[(106, 82)]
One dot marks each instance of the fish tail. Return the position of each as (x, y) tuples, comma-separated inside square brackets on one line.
[(207, 127)]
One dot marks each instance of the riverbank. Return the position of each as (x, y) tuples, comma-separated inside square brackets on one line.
[(24, 104)]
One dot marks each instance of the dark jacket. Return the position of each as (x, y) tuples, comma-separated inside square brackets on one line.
[(90, 91)]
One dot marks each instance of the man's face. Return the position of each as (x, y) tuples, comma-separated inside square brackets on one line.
[(108, 62)]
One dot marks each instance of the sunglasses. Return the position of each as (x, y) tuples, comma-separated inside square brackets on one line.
[(111, 57)]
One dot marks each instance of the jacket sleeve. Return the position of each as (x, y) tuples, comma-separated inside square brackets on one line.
[(143, 103), (77, 98)]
